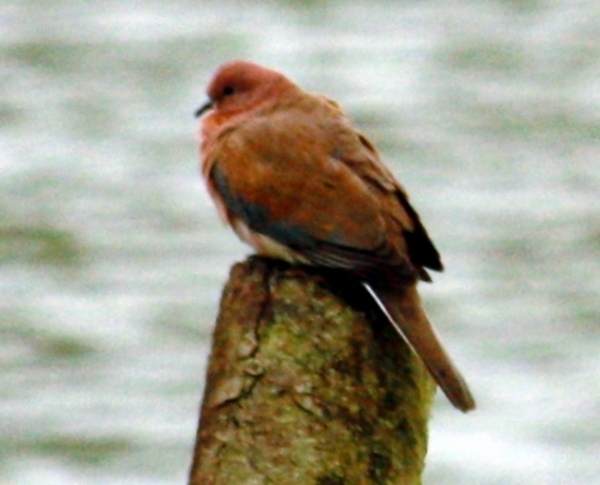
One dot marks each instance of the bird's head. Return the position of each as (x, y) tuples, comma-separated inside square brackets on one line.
[(241, 86)]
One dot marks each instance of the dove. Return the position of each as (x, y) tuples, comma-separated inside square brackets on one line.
[(295, 180)]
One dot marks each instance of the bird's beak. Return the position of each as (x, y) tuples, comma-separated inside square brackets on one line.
[(202, 109)]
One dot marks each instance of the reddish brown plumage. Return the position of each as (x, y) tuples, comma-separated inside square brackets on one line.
[(295, 180)]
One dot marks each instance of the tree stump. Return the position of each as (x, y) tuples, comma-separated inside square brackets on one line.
[(308, 383)]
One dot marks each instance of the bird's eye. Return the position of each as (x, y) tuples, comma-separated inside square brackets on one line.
[(228, 90)]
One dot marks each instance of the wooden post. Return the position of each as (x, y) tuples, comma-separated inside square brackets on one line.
[(308, 384)]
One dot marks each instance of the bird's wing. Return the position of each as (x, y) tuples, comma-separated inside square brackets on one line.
[(283, 179), (363, 158)]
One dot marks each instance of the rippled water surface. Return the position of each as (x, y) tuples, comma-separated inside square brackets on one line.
[(112, 257)]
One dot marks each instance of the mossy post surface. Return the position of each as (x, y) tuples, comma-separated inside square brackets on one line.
[(308, 384)]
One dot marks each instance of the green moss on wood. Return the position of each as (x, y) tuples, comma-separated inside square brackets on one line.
[(307, 384)]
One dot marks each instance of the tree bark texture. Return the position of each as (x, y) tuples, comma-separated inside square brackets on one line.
[(308, 383)]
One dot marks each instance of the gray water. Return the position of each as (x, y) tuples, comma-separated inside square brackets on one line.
[(112, 257)]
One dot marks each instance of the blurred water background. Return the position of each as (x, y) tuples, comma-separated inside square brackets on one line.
[(112, 258)]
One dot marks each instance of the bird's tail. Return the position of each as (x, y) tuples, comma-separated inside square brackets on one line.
[(406, 314)]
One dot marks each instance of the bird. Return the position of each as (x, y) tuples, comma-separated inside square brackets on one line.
[(295, 180)]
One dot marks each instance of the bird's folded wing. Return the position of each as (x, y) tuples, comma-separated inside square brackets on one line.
[(294, 189)]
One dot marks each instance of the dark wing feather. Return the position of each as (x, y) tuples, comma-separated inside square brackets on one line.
[(421, 250)]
